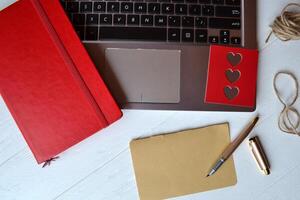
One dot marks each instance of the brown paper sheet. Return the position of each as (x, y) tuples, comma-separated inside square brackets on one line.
[(177, 164)]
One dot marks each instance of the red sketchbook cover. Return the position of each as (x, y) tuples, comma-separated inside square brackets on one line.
[(47, 79)]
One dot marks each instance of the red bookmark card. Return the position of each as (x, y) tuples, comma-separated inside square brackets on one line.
[(231, 76)]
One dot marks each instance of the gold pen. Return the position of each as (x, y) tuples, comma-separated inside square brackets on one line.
[(259, 155), (232, 147)]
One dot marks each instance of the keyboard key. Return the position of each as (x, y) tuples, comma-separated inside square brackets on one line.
[(91, 33), (225, 33), (85, 6), (133, 19), (92, 19), (227, 11), (174, 35), (133, 33), (99, 6), (80, 31), (160, 20), (205, 1), (78, 19), (72, 7), (126, 7), (140, 7), (213, 39), (191, 1), (201, 36), (168, 8), (153, 8), (188, 21), (194, 9), (218, 1), (147, 20), (224, 40), (224, 23), (233, 2), (187, 35), (235, 40), (181, 9), (113, 7), (208, 10), (201, 22), (201, 14), (119, 19), (174, 21), (106, 19)]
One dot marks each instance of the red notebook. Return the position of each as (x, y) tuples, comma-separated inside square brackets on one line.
[(47, 79)]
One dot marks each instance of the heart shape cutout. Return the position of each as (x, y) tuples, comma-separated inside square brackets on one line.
[(231, 92), (234, 58), (232, 75)]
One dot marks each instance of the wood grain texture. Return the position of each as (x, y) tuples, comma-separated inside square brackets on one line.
[(100, 167)]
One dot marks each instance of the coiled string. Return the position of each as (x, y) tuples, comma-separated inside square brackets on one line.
[(287, 25), (285, 123)]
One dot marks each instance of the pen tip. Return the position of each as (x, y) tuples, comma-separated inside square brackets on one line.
[(207, 175)]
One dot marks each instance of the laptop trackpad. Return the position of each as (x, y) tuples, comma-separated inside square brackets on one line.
[(143, 75)]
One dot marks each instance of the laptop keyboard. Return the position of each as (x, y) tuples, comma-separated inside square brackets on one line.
[(176, 21)]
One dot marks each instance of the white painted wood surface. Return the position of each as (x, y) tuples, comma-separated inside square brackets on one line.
[(100, 167)]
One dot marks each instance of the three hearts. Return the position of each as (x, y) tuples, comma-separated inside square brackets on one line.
[(232, 75)]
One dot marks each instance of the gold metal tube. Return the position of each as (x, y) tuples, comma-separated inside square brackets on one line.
[(259, 155)]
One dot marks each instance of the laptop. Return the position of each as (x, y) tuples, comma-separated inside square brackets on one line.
[(153, 54)]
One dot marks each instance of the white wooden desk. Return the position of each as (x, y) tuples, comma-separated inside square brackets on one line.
[(100, 167)]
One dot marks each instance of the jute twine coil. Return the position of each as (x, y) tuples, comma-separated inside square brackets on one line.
[(287, 25), (285, 122)]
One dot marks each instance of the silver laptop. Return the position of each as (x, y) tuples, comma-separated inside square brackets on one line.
[(153, 54)]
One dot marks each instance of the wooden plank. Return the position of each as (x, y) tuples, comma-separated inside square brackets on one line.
[(115, 180), (11, 139), (103, 161), (5, 3), (76, 163), (112, 181), (271, 137)]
